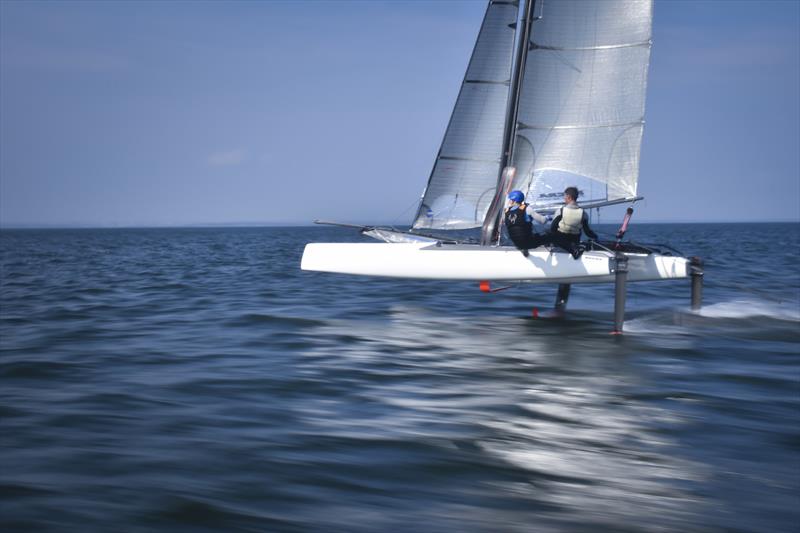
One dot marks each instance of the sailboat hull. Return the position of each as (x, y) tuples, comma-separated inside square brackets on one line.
[(477, 263)]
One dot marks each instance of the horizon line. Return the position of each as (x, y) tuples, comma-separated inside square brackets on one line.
[(15, 226)]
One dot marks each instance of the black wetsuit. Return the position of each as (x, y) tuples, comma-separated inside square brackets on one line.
[(519, 225)]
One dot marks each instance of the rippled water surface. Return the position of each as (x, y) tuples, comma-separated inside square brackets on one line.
[(197, 380)]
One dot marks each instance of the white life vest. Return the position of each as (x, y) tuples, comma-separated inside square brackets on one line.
[(571, 220)]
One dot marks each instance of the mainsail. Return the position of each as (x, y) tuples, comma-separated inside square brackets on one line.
[(579, 114), (581, 110), (464, 177)]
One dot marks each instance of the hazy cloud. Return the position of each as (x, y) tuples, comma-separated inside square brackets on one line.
[(228, 158)]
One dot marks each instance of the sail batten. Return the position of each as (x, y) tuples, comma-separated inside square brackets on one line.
[(523, 126), (505, 82), (454, 158), (535, 46)]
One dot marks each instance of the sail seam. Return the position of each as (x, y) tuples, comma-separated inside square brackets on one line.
[(456, 158), (523, 126), (535, 46), (505, 82)]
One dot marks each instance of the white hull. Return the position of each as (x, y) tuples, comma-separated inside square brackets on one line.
[(479, 263)]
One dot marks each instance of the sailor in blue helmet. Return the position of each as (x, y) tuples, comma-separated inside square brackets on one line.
[(519, 218), (571, 219)]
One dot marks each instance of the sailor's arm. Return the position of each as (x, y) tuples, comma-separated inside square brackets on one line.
[(541, 219), (556, 222), (586, 229)]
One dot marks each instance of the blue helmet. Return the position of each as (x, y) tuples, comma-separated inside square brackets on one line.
[(516, 196)]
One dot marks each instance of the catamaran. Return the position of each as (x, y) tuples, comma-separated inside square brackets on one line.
[(553, 96)]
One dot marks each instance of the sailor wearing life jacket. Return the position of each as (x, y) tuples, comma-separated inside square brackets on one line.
[(567, 225), (519, 218)]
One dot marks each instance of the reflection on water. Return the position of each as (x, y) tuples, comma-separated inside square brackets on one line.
[(568, 422)]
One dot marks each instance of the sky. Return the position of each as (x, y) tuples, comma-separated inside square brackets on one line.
[(282, 112)]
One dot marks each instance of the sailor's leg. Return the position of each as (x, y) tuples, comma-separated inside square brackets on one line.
[(537, 240), (544, 239), (568, 243), (560, 240), (521, 245), (573, 245), (534, 240)]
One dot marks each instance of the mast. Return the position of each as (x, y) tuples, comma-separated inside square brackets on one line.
[(491, 223)]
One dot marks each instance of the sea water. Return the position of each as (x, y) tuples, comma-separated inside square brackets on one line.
[(197, 380)]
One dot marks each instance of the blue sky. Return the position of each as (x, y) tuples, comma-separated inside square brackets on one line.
[(174, 113)]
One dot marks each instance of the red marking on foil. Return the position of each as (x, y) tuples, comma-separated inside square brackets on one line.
[(535, 312), (625, 223), (484, 286)]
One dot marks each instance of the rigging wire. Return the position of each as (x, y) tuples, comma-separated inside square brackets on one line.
[(403, 214)]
